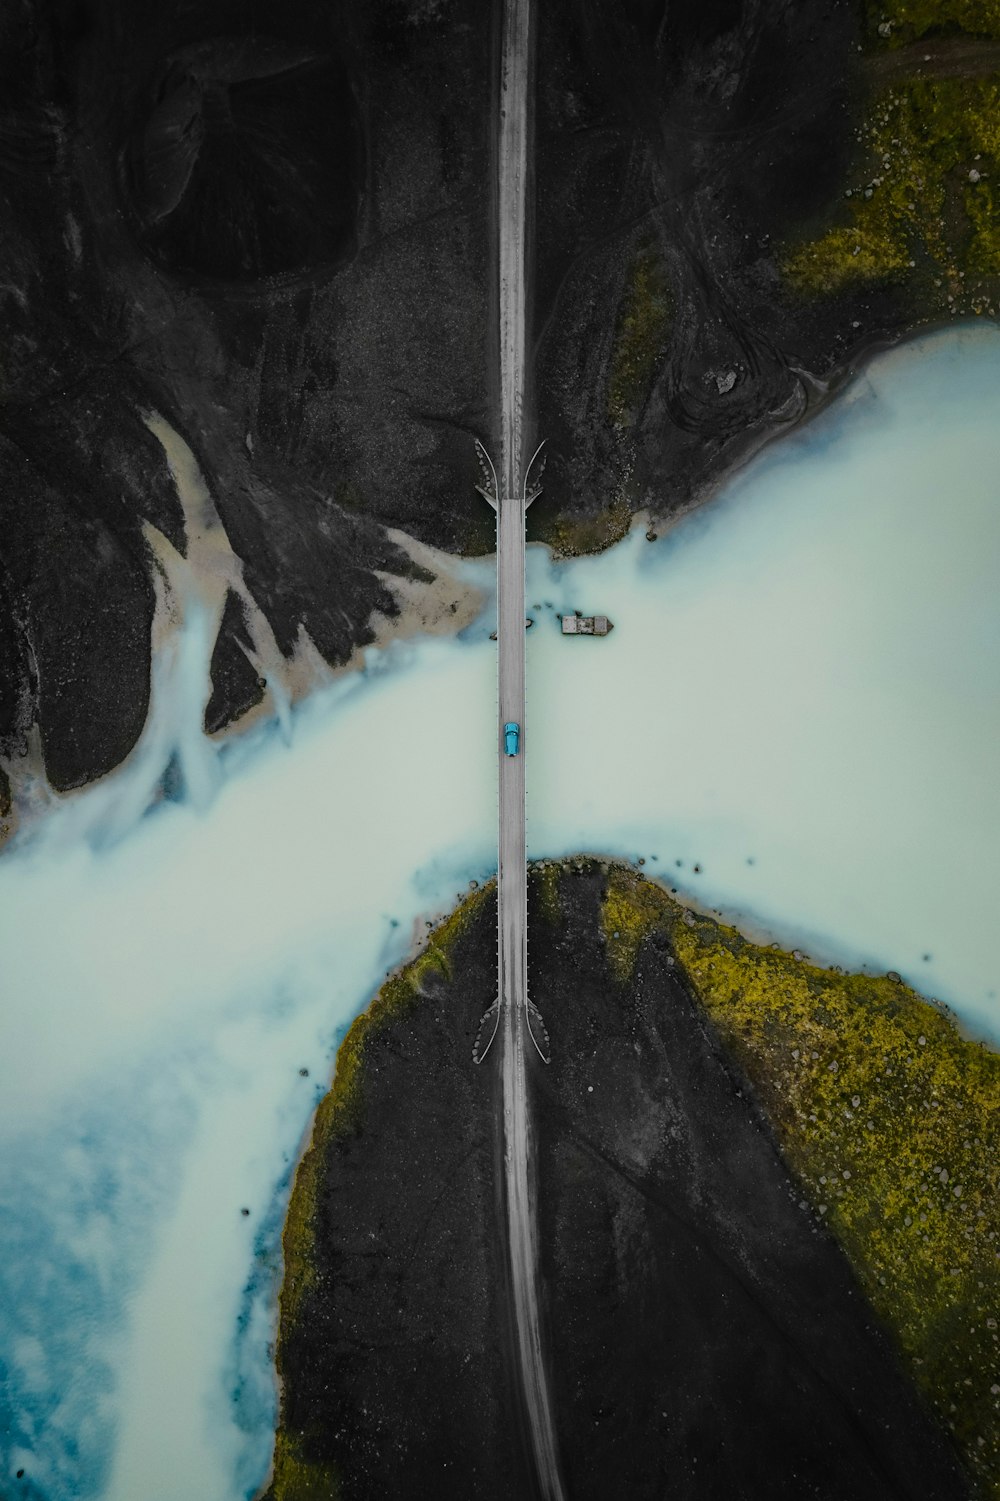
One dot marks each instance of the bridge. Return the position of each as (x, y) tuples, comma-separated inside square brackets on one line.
[(513, 1024)]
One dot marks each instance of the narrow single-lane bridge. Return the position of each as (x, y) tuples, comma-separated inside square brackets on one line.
[(514, 1024)]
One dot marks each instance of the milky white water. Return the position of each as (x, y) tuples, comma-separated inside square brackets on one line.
[(804, 675)]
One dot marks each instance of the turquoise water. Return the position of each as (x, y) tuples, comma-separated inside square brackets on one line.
[(800, 697)]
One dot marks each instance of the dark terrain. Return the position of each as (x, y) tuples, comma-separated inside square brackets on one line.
[(270, 224), (706, 1335)]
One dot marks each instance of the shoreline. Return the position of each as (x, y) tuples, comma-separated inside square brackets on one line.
[(436, 601)]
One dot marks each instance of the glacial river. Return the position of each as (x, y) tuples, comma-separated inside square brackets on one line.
[(801, 698)]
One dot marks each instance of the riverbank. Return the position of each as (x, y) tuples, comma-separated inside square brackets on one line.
[(794, 680), (699, 1150), (731, 212)]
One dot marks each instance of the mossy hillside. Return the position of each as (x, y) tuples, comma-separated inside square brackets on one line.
[(891, 1121), (295, 1479), (644, 319), (895, 23), (920, 208), (340, 1113)]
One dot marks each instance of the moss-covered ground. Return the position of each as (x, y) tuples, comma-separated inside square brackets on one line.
[(920, 207), (294, 1477), (644, 319), (889, 1117), (894, 23), (573, 536)]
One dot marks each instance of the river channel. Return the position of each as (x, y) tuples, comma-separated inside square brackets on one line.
[(794, 721)]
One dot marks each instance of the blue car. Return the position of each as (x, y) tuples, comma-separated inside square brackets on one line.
[(511, 738)]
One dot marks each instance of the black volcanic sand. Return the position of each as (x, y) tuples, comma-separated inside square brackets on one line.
[(273, 228), (269, 226), (393, 1371), (706, 1336), (705, 132)]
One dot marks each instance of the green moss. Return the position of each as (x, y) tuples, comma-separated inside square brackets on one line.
[(572, 537), (887, 1116), (861, 253), (643, 321), (984, 216), (913, 213), (891, 1121), (295, 1479), (632, 910), (545, 883), (478, 537), (339, 1113), (894, 23)]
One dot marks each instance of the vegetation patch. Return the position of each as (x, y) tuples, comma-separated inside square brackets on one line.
[(920, 207), (573, 536), (340, 1110), (545, 880), (642, 327), (886, 1115), (338, 1114), (295, 1479), (891, 1121), (644, 319), (894, 23), (631, 911), (478, 537)]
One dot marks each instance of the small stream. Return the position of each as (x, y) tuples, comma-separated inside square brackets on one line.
[(801, 698)]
